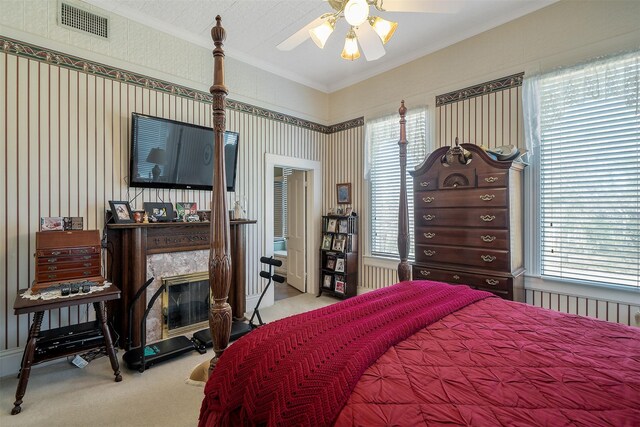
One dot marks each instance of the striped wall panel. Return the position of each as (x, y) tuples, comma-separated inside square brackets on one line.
[(64, 151), (490, 120), (612, 311)]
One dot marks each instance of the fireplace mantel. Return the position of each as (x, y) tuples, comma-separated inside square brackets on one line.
[(130, 244)]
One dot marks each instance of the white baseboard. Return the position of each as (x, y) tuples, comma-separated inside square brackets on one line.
[(10, 361)]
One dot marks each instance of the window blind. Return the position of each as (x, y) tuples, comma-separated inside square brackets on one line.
[(590, 173), (384, 178), (280, 204)]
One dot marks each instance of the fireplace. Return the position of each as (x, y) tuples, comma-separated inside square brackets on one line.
[(185, 303)]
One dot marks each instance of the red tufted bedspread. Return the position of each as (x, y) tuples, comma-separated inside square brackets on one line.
[(301, 370), (493, 362), (497, 362)]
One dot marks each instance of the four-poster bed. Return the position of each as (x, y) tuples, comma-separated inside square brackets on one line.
[(417, 352)]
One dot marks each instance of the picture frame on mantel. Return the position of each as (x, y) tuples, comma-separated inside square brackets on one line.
[(344, 193), (121, 212)]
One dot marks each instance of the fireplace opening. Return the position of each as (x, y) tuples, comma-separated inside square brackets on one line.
[(185, 303)]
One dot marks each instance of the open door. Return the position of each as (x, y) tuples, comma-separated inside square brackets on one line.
[(296, 230)]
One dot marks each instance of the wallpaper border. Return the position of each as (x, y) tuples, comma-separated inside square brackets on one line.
[(496, 85), (42, 54)]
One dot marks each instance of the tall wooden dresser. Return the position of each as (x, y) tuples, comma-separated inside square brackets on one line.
[(468, 221)]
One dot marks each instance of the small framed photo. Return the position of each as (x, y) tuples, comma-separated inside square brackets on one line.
[(348, 211), (331, 225), (340, 265), (339, 286), (158, 211), (342, 226), (51, 223), (344, 193), (326, 242), (121, 212), (326, 283), (186, 208), (204, 215), (331, 263), (338, 243)]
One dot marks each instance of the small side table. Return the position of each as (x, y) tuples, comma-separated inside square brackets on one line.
[(29, 358)]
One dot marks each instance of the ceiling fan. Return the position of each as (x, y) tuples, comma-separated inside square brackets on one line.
[(370, 31)]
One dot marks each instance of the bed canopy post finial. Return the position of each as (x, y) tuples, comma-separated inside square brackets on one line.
[(219, 254), (404, 270)]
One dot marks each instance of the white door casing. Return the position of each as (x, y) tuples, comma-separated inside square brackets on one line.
[(296, 230)]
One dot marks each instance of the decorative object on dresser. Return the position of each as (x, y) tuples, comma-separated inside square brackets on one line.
[(468, 220), (339, 256), (66, 257)]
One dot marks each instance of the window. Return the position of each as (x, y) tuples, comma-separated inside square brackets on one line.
[(384, 177), (280, 207), (589, 166)]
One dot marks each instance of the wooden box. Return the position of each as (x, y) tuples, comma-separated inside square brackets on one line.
[(66, 256)]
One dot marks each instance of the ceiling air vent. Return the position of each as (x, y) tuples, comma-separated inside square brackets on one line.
[(82, 20)]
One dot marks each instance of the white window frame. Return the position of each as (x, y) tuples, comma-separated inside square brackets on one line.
[(534, 278), (389, 262)]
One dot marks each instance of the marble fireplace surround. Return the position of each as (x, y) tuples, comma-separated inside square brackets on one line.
[(166, 265)]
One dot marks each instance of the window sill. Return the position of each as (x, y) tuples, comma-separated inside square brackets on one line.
[(576, 288)]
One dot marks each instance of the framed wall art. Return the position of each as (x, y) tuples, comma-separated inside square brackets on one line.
[(344, 193)]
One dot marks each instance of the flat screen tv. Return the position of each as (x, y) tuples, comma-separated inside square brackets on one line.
[(170, 154)]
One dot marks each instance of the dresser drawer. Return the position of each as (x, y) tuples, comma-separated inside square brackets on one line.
[(495, 179), (474, 237), (93, 261), (62, 275), (68, 258), (480, 281), (486, 258), (425, 183), (494, 197), (474, 217)]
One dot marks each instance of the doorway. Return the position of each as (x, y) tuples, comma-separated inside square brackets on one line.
[(289, 231), (302, 259)]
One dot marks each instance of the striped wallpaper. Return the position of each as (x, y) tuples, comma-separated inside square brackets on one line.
[(64, 140)]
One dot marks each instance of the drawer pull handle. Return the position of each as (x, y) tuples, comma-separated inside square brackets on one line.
[(429, 217), (455, 276), (425, 272), (429, 235), (428, 199), (488, 258), (52, 260), (52, 268), (56, 253), (487, 197), (52, 276), (491, 178), (429, 252), (86, 273), (87, 264), (83, 251), (425, 183), (492, 282), (487, 218), (86, 257), (488, 238)]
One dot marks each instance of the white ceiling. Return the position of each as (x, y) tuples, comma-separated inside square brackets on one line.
[(255, 27)]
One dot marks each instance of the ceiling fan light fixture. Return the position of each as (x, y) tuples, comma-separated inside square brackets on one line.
[(350, 51), (356, 12), (383, 28), (321, 33)]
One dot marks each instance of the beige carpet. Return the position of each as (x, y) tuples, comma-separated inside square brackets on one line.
[(59, 394)]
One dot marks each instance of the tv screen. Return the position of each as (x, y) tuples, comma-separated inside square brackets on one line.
[(170, 154)]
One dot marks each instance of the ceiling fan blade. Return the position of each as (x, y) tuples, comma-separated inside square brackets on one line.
[(425, 6), (369, 42), (299, 36)]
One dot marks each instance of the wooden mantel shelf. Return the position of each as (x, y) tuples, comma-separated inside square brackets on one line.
[(130, 244)]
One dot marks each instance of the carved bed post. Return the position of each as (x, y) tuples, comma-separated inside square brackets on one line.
[(220, 254), (404, 270)]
